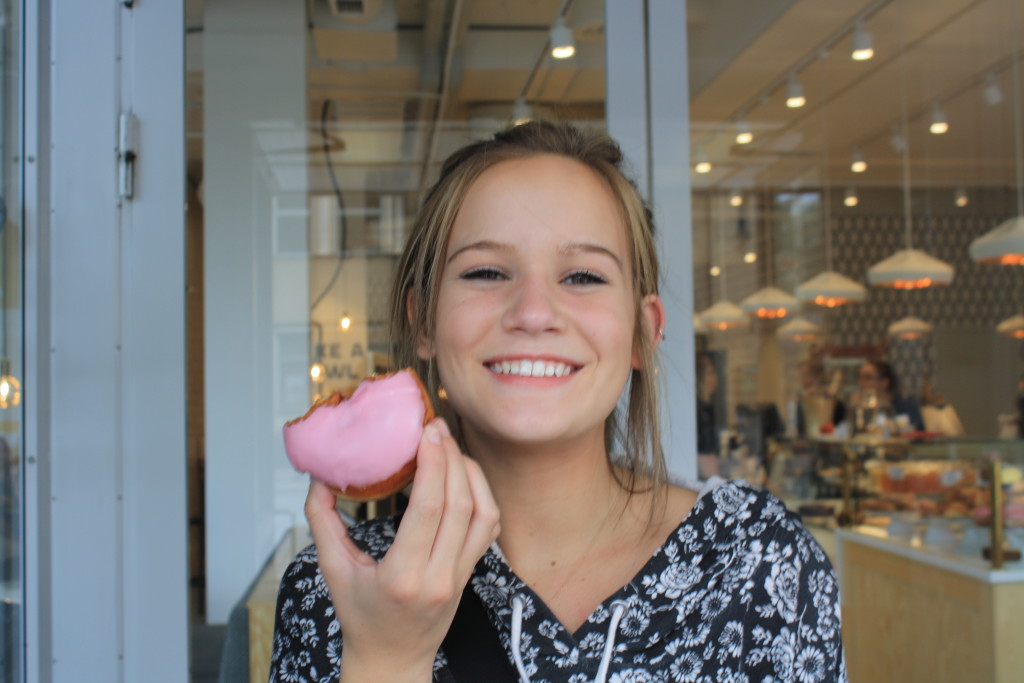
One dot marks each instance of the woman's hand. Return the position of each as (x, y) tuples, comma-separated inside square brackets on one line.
[(394, 614)]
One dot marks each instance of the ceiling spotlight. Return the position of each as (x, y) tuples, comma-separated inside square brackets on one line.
[(795, 94), (939, 123), (961, 198), (750, 257), (857, 161), (863, 45), (702, 164), (344, 322), (744, 136), (993, 93), (562, 46), (850, 198), (715, 271), (736, 199), (521, 112), (897, 140)]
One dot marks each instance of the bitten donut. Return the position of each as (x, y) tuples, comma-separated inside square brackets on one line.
[(363, 447)]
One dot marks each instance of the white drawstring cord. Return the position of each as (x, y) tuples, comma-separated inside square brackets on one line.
[(518, 603), (618, 610)]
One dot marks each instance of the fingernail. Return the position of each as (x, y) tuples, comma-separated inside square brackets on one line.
[(433, 434)]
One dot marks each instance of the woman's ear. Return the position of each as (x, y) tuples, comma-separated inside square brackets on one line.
[(652, 317), (424, 347)]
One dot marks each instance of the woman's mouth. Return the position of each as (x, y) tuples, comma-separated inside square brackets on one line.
[(532, 368)]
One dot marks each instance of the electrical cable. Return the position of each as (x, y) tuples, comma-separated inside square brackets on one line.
[(341, 204)]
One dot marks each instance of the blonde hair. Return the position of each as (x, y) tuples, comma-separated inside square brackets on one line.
[(418, 279)]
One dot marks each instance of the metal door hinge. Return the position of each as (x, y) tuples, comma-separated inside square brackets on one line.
[(127, 152)]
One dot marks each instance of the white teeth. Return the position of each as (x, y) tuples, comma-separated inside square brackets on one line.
[(526, 368)]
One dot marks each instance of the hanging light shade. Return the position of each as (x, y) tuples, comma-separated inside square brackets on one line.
[(831, 289), (770, 303), (560, 37), (1003, 245), (799, 329), (863, 45), (724, 315), (910, 269), (744, 135), (795, 93), (909, 328), (1012, 327)]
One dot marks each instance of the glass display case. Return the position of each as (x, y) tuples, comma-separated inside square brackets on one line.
[(932, 494)]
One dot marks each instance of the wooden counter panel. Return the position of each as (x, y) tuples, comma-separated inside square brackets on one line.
[(907, 621)]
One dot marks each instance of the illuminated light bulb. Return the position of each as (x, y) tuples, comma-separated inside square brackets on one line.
[(857, 162), (344, 323), (702, 165), (939, 125), (744, 136), (10, 387), (961, 199), (316, 372), (736, 199), (850, 198), (863, 45), (795, 94), (715, 271), (562, 45), (749, 257)]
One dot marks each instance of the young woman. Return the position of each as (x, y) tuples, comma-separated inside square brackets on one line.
[(528, 290)]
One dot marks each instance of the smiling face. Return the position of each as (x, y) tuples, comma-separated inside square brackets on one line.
[(535, 319)]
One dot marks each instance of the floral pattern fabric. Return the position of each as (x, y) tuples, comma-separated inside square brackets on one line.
[(740, 592)]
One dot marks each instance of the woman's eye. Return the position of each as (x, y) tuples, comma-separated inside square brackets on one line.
[(585, 277), (483, 274)]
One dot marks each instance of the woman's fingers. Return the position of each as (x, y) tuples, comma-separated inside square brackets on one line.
[(335, 549), (415, 536), (458, 506), (486, 521)]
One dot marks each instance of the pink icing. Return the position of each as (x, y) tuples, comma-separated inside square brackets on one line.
[(364, 439)]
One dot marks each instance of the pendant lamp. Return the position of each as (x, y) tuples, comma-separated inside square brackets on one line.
[(909, 328), (1004, 244), (1012, 327), (799, 329), (722, 315), (829, 288), (769, 302), (909, 268)]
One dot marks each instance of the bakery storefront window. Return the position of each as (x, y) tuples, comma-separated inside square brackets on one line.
[(314, 130), (858, 295)]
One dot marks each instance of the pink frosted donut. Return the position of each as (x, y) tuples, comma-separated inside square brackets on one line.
[(363, 447)]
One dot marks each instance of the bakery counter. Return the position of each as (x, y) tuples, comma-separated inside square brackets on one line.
[(935, 611)]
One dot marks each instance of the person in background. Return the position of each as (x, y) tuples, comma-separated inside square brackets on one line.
[(878, 378), (707, 424), (816, 406)]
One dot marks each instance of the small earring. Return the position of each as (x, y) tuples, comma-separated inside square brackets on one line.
[(661, 333)]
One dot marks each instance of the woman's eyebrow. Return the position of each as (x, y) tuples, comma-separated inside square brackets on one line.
[(590, 247), (486, 245)]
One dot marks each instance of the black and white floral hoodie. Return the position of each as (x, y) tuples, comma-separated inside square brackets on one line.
[(740, 592)]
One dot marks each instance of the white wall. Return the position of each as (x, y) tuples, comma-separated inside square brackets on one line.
[(105, 434)]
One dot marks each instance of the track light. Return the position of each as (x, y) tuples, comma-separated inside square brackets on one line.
[(736, 199), (562, 46), (850, 198), (521, 112), (960, 198), (750, 257), (744, 136), (702, 164), (795, 94), (939, 123), (863, 45), (857, 161), (993, 93), (897, 140)]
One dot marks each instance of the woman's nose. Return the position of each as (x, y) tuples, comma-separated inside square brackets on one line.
[(534, 306)]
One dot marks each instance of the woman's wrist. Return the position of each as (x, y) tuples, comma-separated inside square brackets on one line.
[(384, 670)]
